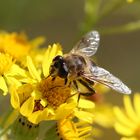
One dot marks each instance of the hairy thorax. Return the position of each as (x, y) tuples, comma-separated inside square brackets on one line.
[(76, 64)]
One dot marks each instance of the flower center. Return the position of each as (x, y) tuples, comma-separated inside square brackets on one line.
[(5, 63), (54, 91), (38, 106)]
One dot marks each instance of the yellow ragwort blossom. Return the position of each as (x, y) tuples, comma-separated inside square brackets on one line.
[(9, 72), (42, 98), (68, 129), (13, 47), (17, 45), (128, 119)]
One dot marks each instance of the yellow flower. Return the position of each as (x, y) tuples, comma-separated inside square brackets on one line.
[(17, 45), (128, 120), (43, 98), (12, 48), (68, 129), (104, 115), (8, 72), (5, 63)]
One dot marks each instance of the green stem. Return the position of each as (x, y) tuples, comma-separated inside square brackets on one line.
[(133, 26), (5, 130), (91, 9)]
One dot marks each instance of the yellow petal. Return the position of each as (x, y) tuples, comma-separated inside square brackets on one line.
[(83, 115), (24, 92), (43, 102), (123, 130), (36, 94), (34, 117), (137, 104), (27, 107), (16, 70), (129, 109), (64, 110), (37, 41), (59, 49), (50, 53), (83, 103), (104, 115), (13, 81), (15, 102), (43, 115), (20, 74), (122, 118), (34, 73), (3, 86), (39, 116), (53, 52), (46, 62), (59, 53)]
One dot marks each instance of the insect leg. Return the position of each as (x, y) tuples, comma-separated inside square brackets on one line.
[(76, 86), (88, 86), (69, 84), (66, 80), (53, 78), (78, 98)]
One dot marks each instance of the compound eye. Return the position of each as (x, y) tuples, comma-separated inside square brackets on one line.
[(58, 57), (57, 64)]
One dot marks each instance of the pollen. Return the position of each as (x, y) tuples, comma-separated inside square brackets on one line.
[(5, 63), (54, 91)]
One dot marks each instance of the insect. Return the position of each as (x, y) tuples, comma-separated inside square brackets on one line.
[(78, 67)]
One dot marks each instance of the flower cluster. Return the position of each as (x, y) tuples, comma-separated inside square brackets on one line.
[(38, 98), (34, 95)]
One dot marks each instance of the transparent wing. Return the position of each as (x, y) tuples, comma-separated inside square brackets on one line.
[(88, 44), (103, 76)]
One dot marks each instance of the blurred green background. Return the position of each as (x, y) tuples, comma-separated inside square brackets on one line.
[(64, 21)]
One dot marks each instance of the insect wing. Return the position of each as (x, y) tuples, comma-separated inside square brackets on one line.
[(104, 77), (88, 45)]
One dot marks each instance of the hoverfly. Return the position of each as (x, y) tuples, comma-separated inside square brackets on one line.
[(78, 67)]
